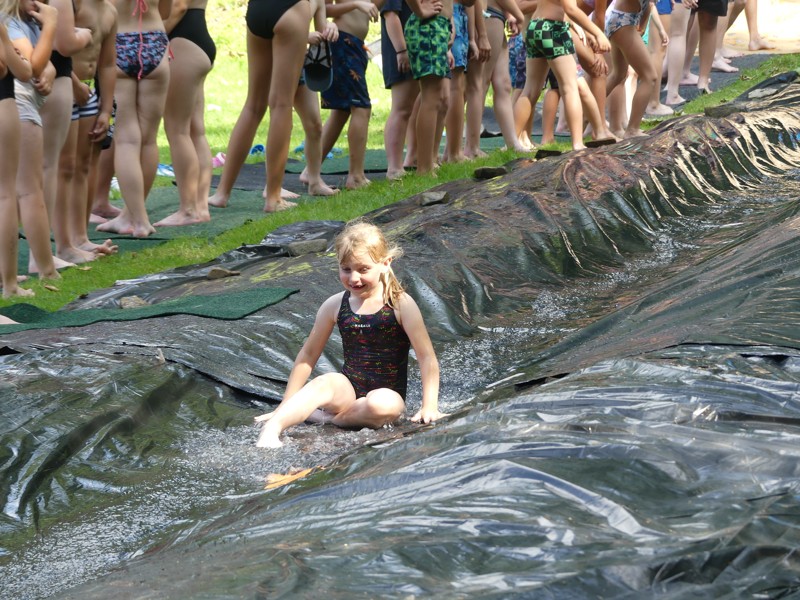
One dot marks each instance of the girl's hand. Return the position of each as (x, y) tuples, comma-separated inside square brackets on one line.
[(426, 415), (84, 35), (664, 39), (44, 13), (314, 38), (484, 48), (331, 32)]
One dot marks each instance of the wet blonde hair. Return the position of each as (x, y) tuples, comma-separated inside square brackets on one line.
[(361, 237)]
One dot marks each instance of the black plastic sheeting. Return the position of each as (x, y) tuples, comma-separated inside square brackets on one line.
[(619, 333)]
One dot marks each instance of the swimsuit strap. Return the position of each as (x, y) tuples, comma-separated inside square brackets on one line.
[(141, 7)]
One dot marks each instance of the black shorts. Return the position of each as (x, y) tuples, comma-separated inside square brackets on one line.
[(713, 7)]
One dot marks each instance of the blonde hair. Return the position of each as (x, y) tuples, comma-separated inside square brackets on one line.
[(10, 8), (362, 237)]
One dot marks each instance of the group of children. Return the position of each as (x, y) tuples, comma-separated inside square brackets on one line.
[(71, 68)]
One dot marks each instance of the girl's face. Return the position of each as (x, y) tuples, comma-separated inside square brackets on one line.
[(25, 6), (361, 275)]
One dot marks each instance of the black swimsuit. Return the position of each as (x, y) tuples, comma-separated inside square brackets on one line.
[(375, 349), (7, 87), (263, 15), (63, 64), (193, 28)]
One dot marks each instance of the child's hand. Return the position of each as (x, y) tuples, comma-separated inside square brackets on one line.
[(511, 23), (314, 38), (84, 35), (484, 48), (331, 32), (265, 417), (81, 93), (598, 43), (664, 39), (473, 53), (429, 8), (370, 9), (100, 129), (403, 64), (599, 67), (44, 13), (427, 415)]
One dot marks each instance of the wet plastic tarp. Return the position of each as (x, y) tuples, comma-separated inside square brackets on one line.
[(619, 333)]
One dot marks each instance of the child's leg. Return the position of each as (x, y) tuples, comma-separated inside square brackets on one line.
[(410, 159), (188, 70), (454, 121), (202, 150), (56, 116), (259, 70), (9, 213), (591, 112), (332, 129), (657, 52), (536, 74), (433, 99), (357, 142), (676, 52), (306, 103), (563, 68), (102, 208), (378, 408), (475, 100), (707, 24), (549, 109), (30, 198), (404, 94), (630, 43), (332, 392)]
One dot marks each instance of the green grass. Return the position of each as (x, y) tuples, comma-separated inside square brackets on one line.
[(226, 89)]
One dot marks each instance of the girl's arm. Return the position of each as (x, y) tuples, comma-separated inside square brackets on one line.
[(39, 56), (593, 31), (414, 326), (20, 67), (312, 349), (179, 8), (107, 81)]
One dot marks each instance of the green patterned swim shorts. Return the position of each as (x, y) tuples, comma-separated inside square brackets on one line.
[(548, 39), (427, 46)]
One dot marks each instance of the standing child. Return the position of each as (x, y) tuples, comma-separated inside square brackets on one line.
[(348, 97), (31, 28), (378, 322), (549, 46), (11, 65), (142, 82)]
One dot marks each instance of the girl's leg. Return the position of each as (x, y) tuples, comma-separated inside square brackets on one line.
[(306, 103), (501, 86), (454, 121), (432, 101), (32, 210), (404, 93), (630, 43), (475, 99), (259, 70), (188, 70), (549, 110), (287, 49), (676, 52), (657, 53), (9, 213), (332, 392), (203, 152)]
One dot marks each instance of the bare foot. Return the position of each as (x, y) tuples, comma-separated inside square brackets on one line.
[(673, 100), (659, 110), (321, 189), (690, 79), (107, 210), (470, 154), (268, 438), (16, 292), (731, 53), (304, 176), (7, 321), (355, 182), (760, 44), (279, 206), (721, 66), (123, 226), (104, 249), (76, 256), (634, 134), (285, 194), (96, 219), (179, 218), (396, 175), (219, 200)]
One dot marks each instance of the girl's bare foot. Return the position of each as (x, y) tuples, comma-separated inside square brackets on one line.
[(634, 134), (106, 211), (471, 154), (659, 110), (279, 206), (396, 175), (219, 200), (179, 218), (321, 189), (104, 249), (355, 182), (673, 100), (690, 79), (721, 65), (16, 292), (124, 226), (760, 44), (285, 194), (76, 256), (731, 53)]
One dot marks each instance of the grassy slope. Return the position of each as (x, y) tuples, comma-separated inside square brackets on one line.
[(226, 89)]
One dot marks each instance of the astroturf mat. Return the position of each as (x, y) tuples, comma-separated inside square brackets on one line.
[(234, 305)]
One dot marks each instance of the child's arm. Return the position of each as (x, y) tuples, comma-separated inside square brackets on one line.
[(39, 56), (312, 349), (337, 9), (164, 8), (68, 38), (395, 31), (597, 40), (106, 80), (512, 8), (481, 37), (425, 9), (656, 20), (20, 68), (179, 8), (323, 29), (414, 326)]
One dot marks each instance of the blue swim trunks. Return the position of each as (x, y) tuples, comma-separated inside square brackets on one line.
[(349, 89), (460, 47), (427, 43)]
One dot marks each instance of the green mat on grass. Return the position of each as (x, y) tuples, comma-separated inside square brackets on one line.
[(220, 306)]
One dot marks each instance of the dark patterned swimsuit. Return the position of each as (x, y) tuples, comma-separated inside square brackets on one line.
[(375, 349)]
